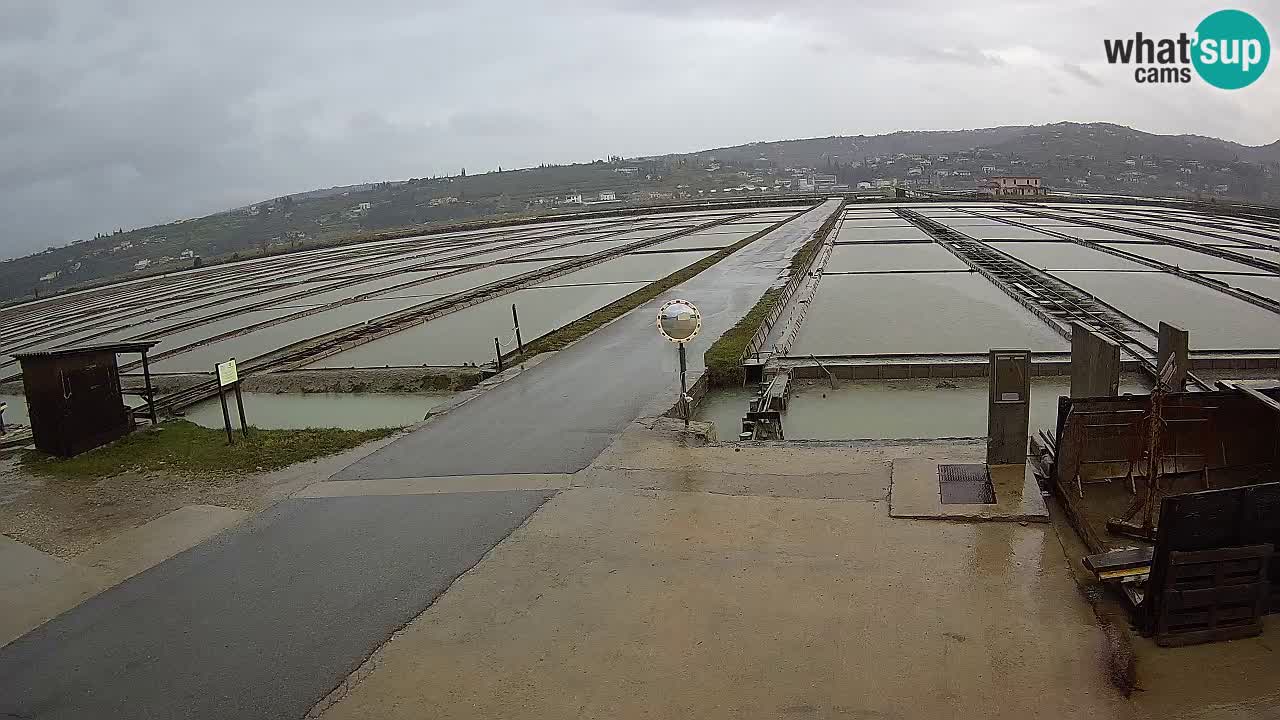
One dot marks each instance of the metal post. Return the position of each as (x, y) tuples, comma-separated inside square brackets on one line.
[(497, 349), (244, 424), (516, 319), (684, 402), (151, 396), (226, 416)]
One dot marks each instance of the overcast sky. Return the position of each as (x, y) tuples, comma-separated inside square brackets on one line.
[(129, 113)]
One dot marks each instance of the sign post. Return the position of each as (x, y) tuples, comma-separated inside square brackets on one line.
[(516, 319), (229, 377), (679, 321)]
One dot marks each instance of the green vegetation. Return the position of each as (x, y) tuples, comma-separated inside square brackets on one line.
[(559, 339), (724, 358), (185, 448)]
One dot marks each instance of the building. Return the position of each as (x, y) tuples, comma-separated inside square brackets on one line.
[(823, 181), (608, 196), (1012, 186), (74, 397), (142, 264), (574, 199)]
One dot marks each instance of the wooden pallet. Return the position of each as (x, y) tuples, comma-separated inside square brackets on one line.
[(1211, 595)]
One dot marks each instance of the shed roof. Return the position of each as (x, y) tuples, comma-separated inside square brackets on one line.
[(120, 347)]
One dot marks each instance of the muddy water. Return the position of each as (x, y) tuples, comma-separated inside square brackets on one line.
[(922, 313), (897, 256), (1065, 256), (883, 409), (467, 335), (352, 411), (1216, 321), (1264, 285)]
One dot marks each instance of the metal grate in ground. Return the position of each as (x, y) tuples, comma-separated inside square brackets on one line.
[(966, 484)]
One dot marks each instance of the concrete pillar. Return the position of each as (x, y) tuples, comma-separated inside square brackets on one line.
[(1009, 407), (1095, 363), (1174, 343)]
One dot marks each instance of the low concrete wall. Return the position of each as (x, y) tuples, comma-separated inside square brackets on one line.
[(899, 370), (903, 371), (698, 391)]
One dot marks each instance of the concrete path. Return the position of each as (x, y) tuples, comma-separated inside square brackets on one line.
[(560, 415), (36, 586), (266, 619), (262, 621), (654, 604)]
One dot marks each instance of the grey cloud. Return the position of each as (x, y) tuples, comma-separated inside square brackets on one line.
[(26, 19), (962, 56), (134, 112), (1080, 73)]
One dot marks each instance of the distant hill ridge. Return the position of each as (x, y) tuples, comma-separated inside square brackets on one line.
[(1095, 157)]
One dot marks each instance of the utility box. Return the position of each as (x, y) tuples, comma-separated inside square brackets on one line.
[(1009, 408), (74, 398)]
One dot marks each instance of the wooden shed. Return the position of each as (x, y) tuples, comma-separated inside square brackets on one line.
[(74, 397)]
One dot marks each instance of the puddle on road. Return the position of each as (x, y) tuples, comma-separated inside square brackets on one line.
[(351, 411), (886, 409)]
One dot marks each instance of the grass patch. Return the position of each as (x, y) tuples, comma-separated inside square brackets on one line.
[(559, 339), (723, 359), (182, 447)]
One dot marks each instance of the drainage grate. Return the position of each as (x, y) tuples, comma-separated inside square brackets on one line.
[(966, 484)]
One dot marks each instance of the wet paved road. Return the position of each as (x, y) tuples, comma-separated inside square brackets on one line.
[(262, 621), (561, 414)]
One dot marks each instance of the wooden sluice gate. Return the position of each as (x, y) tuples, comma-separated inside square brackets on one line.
[(1176, 496)]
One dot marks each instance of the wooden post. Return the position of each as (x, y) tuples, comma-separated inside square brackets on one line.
[(684, 402), (1095, 363), (151, 395), (226, 416), (1173, 343), (516, 319), (244, 424), (497, 349)]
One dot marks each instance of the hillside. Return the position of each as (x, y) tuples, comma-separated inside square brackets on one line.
[(1099, 139), (1094, 157)]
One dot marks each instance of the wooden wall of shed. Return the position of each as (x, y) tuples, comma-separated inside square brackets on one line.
[(1243, 431)]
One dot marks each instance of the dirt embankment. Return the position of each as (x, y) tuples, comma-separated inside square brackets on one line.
[(386, 380), (376, 380)]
